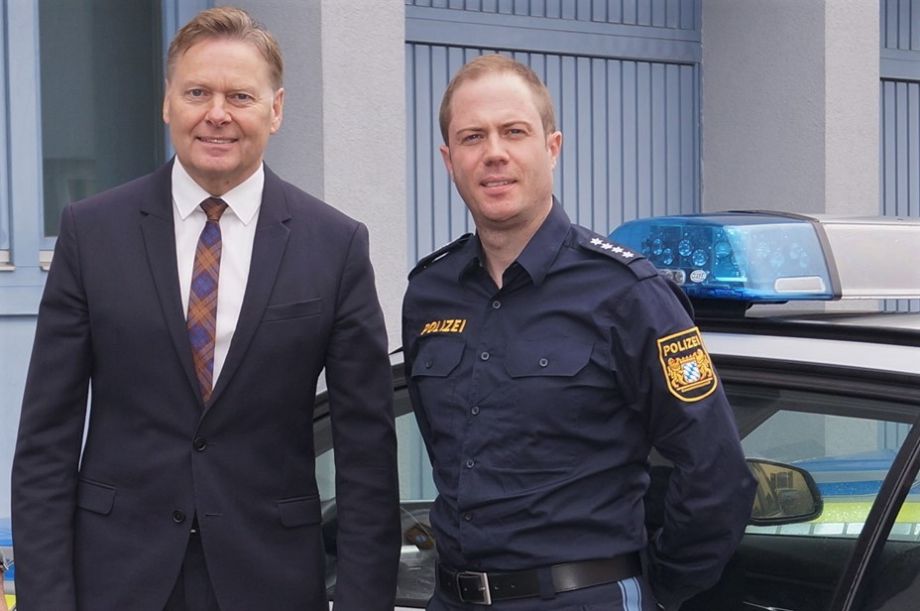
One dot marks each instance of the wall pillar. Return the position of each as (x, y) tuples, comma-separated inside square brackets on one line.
[(790, 107)]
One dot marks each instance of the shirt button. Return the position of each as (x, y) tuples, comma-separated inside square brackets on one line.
[(467, 516), (428, 364), (475, 410), (178, 517), (470, 463), (485, 356), (544, 362), (200, 444), (496, 304)]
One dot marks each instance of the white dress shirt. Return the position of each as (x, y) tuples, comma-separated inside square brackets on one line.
[(238, 231)]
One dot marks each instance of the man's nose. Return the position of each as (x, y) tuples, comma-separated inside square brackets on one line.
[(217, 113), (495, 149)]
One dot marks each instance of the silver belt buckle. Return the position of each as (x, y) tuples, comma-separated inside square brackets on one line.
[(477, 581)]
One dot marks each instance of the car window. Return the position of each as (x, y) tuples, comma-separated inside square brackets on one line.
[(847, 456), (847, 443), (416, 579)]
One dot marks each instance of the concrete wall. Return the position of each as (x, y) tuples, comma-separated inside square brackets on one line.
[(790, 105), (852, 76), (344, 132)]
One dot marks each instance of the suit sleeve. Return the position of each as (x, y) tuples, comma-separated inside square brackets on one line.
[(364, 441), (51, 425), (710, 491)]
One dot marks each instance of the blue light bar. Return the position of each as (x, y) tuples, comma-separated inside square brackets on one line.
[(740, 256)]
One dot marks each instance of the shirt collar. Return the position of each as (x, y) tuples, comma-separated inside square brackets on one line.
[(543, 247), (537, 256), (242, 200), (470, 258)]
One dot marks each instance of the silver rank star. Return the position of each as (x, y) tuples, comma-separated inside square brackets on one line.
[(617, 250), (606, 245), (628, 255), (597, 241)]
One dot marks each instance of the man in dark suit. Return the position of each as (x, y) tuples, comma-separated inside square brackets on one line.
[(200, 303)]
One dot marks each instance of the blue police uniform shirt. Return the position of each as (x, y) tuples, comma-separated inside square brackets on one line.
[(539, 404)]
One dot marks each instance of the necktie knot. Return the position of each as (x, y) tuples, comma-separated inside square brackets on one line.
[(214, 207)]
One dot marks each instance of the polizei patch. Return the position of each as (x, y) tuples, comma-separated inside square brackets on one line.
[(687, 367)]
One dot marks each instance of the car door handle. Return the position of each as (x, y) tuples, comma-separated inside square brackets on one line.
[(750, 605)]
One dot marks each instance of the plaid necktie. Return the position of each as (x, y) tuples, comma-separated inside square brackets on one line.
[(202, 300)]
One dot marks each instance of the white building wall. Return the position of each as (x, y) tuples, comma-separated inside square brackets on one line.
[(790, 105)]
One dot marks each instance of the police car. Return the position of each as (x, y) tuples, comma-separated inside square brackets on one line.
[(824, 379)]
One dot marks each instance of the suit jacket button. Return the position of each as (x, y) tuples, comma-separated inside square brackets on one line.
[(178, 517), (200, 444)]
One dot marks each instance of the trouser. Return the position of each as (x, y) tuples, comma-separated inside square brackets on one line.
[(193, 590), (633, 594)]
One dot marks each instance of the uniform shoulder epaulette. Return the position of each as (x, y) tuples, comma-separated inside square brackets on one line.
[(636, 263), (439, 254)]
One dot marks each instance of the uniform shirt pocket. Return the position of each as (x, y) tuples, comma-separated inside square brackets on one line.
[(300, 511), (299, 309), (96, 497), (438, 357), (551, 383), (529, 358)]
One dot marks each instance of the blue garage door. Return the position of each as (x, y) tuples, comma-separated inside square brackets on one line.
[(900, 113), (624, 75)]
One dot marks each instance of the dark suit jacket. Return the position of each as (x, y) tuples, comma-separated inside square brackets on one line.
[(107, 531)]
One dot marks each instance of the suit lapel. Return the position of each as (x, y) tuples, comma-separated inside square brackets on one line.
[(160, 243), (267, 251)]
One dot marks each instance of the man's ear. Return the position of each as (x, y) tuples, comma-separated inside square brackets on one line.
[(554, 145), (166, 103), (445, 155), (277, 109)]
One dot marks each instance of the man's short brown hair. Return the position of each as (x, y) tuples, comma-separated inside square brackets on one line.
[(490, 64), (227, 22)]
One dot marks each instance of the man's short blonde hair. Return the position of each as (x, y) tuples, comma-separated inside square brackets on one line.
[(227, 22), (491, 64)]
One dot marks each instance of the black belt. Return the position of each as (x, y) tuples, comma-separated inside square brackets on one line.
[(485, 588)]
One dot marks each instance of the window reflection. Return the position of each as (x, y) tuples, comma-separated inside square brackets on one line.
[(101, 94)]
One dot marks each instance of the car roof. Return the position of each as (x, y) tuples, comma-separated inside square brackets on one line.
[(881, 341)]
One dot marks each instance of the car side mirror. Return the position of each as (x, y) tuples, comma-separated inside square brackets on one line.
[(785, 494)]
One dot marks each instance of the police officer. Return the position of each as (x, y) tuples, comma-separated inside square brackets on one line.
[(545, 363)]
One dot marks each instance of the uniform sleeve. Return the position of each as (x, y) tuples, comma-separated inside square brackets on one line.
[(51, 424), (364, 441), (710, 493)]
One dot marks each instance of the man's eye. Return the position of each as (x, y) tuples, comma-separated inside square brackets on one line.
[(515, 131), (196, 93), (241, 97), (471, 138)]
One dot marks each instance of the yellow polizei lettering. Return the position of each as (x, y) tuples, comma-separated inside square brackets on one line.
[(680, 346), (448, 325)]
